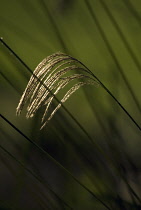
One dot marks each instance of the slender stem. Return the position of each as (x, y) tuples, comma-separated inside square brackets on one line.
[(73, 116), (118, 65), (34, 175), (115, 99), (54, 161)]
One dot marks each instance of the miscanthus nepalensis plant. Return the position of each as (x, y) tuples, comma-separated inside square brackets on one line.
[(52, 75)]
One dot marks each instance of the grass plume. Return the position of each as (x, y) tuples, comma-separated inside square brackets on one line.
[(48, 79)]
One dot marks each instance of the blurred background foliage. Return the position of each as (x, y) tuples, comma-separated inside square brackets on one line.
[(96, 165)]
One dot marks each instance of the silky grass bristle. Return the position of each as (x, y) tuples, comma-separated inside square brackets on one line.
[(48, 80)]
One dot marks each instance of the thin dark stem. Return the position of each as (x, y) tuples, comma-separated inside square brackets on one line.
[(34, 175), (79, 125), (109, 92), (71, 116), (54, 161)]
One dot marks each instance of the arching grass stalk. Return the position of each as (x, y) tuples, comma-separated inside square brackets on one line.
[(109, 92), (84, 69), (106, 89), (51, 71)]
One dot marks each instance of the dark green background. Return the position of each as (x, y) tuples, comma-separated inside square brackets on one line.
[(106, 38)]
